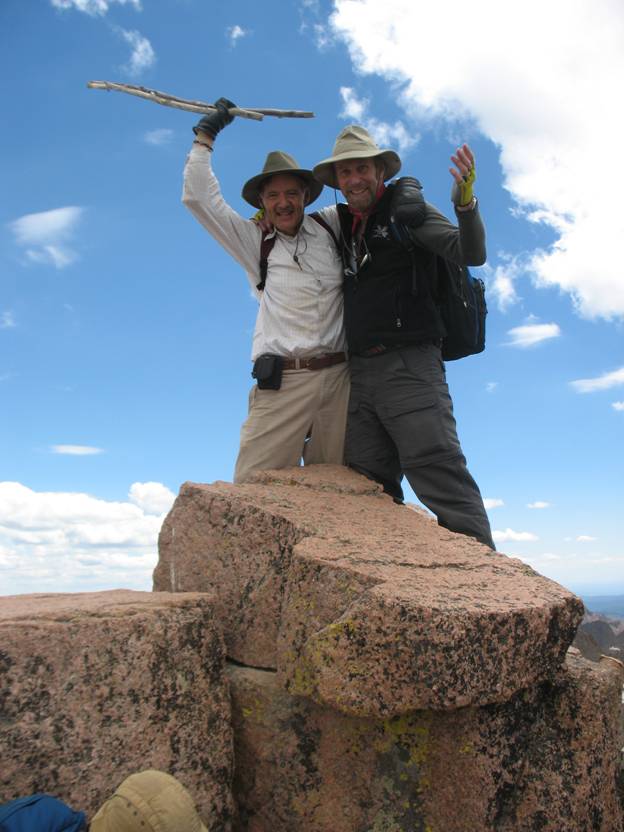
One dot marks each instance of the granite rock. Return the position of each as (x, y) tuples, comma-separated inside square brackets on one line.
[(359, 603), (547, 759), (97, 686)]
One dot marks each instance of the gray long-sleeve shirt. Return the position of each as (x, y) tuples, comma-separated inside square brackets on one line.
[(463, 243)]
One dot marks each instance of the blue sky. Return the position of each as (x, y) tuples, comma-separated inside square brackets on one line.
[(125, 331)]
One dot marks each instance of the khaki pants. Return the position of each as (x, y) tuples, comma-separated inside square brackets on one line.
[(304, 419)]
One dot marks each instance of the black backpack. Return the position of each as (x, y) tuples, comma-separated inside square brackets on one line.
[(460, 298), (463, 310)]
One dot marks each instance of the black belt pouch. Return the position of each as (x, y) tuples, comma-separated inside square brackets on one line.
[(267, 370)]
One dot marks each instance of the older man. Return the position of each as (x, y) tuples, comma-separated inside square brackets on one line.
[(297, 409), (400, 418)]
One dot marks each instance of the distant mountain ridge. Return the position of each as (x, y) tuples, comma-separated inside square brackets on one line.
[(602, 629), (609, 605)]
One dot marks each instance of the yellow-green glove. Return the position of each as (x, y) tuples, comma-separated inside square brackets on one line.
[(461, 194)]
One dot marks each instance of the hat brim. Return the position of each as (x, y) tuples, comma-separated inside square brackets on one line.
[(326, 173), (251, 188)]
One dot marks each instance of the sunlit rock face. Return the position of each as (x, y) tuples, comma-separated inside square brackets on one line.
[(358, 603), (546, 759), (97, 686), (385, 675)]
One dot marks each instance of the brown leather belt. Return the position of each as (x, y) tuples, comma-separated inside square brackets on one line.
[(317, 363)]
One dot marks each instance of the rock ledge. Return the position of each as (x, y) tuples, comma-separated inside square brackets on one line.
[(358, 603)]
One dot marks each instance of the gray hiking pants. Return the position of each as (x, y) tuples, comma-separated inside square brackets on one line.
[(401, 422)]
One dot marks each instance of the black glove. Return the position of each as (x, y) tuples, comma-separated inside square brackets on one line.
[(408, 205), (213, 122)]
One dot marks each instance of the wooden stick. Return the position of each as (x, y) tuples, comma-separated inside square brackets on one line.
[(256, 113)]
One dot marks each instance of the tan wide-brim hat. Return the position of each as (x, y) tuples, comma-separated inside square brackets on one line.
[(280, 162), (354, 142), (150, 801)]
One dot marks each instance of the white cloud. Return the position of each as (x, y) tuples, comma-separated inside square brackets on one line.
[(538, 504), (591, 569), (386, 135), (323, 36), (604, 382), (502, 287), (510, 534), (617, 405), (235, 33), (7, 320), (76, 450), (143, 55), (151, 497), (159, 136), (63, 541), (493, 502), (58, 256), (554, 114), (310, 14), (354, 107), (529, 335), (94, 7), (491, 386), (502, 279), (585, 538), (44, 236)]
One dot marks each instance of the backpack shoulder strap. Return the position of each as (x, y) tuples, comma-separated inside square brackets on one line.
[(266, 246), (401, 234), (268, 241), (324, 224)]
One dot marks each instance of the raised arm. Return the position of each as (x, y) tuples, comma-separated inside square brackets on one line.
[(463, 243), (202, 195)]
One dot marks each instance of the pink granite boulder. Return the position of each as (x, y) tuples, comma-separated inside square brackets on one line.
[(359, 603), (546, 760), (96, 686)]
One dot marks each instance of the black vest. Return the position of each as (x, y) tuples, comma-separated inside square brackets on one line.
[(386, 302)]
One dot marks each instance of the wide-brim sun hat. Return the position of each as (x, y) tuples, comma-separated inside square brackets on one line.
[(149, 801), (354, 142), (280, 162)]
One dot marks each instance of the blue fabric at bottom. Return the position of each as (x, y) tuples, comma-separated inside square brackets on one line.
[(40, 813)]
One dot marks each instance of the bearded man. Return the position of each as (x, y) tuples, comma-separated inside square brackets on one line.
[(400, 420)]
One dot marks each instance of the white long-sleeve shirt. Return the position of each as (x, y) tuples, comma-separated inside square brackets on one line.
[(300, 312)]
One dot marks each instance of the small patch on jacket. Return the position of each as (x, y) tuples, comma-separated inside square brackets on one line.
[(381, 232)]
